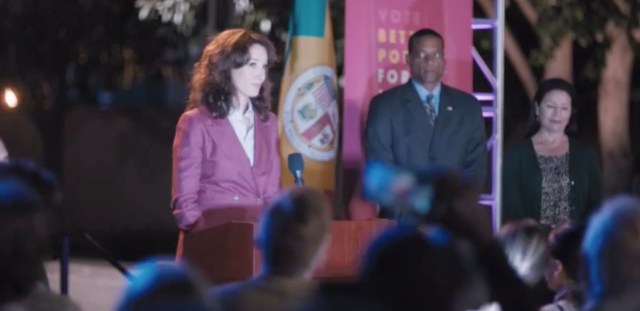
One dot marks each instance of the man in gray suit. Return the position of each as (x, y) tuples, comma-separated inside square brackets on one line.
[(425, 122), (293, 240)]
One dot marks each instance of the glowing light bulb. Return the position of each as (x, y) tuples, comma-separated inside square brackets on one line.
[(10, 98)]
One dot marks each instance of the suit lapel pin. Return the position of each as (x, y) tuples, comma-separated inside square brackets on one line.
[(449, 108)]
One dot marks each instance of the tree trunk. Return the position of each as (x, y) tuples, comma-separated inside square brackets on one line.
[(613, 112)]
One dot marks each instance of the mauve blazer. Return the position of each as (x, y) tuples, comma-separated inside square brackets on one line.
[(211, 169)]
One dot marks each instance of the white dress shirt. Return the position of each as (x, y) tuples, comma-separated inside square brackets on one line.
[(242, 124)]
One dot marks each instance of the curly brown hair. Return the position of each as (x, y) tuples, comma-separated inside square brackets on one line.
[(211, 80)]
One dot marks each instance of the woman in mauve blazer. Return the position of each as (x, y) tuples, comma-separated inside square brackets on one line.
[(226, 148)]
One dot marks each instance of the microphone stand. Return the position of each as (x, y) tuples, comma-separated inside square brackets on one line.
[(66, 253), (64, 265), (106, 255)]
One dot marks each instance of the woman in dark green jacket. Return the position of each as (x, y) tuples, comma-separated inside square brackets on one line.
[(550, 177)]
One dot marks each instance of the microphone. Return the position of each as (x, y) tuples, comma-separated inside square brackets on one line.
[(296, 167)]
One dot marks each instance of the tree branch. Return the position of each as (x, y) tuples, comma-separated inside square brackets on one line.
[(520, 63), (560, 65), (529, 11), (622, 6), (515, 54), (625, 8)]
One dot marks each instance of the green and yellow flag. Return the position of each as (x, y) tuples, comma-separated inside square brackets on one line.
[(308, 110)]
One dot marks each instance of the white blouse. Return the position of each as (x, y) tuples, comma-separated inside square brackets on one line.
[(242, 124)]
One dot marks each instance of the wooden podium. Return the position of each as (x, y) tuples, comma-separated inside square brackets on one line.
[(224, 251)]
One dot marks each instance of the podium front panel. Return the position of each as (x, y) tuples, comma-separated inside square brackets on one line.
[(227, 253)]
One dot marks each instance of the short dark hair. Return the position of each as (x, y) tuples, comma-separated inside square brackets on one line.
[(424, 32), (405, 267), (564, 245), (41, 180), (546, 86), (293, 231)]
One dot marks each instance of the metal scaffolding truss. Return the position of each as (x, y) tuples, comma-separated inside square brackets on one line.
[(495, 78)]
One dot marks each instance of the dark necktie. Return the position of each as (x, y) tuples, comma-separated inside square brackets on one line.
[(431, 111)]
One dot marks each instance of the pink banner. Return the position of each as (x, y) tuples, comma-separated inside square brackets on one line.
[(376, 41)]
